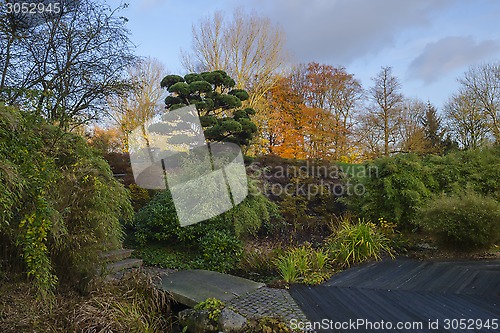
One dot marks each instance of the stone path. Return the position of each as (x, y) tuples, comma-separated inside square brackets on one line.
[(268, 302), (249, 298)]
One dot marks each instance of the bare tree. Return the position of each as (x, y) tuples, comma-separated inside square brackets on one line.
[(368, 135), (134, 108), (387, 105), (482, 85), (411, 132), (467, 120), (249, 48), (67, 64)]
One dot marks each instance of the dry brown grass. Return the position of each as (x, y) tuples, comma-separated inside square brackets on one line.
[(130, 304)]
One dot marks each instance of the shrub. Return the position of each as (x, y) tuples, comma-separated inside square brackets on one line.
[(397, 187), (157, 221), (463, 222), (164, 257), (220, 251), (357, 243), (216, 242), (59, 202)]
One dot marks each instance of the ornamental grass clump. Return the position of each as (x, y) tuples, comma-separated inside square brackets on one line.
[(355, 243)]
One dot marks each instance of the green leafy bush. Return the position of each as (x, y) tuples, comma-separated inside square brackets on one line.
[(157, 221), (463, 222), (59, 204), (397, 187), (216, 242), (355, 243), (220, 251)]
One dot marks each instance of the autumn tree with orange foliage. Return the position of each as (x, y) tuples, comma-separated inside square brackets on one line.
[(309, 113), (287, 119), (334, 94)]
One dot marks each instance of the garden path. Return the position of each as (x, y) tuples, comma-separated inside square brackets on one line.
[(249, 298)]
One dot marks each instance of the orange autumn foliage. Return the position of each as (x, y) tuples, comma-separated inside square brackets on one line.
[(309, 113), (288, 120)]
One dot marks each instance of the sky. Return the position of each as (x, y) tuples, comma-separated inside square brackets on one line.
[(428, 43)]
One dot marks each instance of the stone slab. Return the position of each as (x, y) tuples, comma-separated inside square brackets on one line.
[(191, 287)]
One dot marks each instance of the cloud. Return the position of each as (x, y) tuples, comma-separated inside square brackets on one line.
[(449, 53), (341, 31)]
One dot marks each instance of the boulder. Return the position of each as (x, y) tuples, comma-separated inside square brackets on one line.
[(230, 321), (197, 321)]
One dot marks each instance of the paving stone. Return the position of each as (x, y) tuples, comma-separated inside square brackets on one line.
[(268, 302)]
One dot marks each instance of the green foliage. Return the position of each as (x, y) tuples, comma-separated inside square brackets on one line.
[(213, 306), (396, 187), (355, 243), (165, 257), (217, 104), (254, 212), (220, 251), (464, 222), (139, 196), (157, 221), (216, 241), (60, 203), (304, 264)]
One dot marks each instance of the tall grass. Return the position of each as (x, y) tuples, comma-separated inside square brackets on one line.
[(355, 243), (132, 304), (304, 264)]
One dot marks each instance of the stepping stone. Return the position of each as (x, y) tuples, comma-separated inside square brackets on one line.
[(190, 287), (123, 265), (117, 255)]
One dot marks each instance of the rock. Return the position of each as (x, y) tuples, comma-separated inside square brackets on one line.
[(230, 321), (197, 321), (426, 246)]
